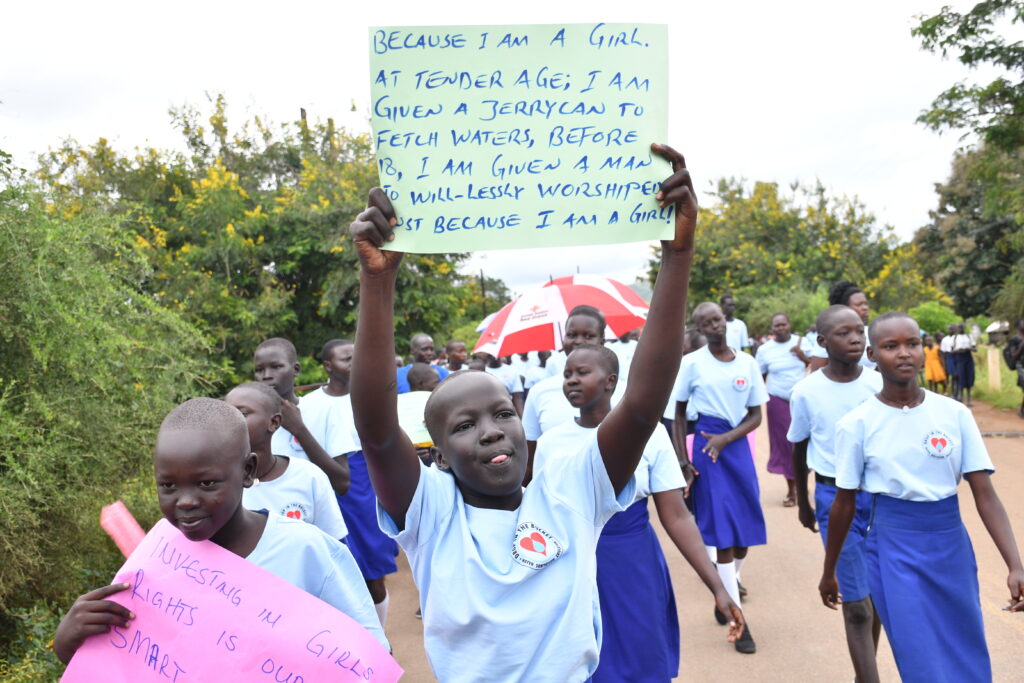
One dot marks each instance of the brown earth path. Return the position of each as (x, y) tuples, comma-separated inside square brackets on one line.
[(797, 638)]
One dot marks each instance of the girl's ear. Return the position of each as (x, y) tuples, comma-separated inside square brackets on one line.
[(871, 354), (611, 382), (438, 457), (249, 473), (275, 422), (297, 368)]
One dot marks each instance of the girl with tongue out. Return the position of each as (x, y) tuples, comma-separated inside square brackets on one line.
[(507, 576), (638, 607)]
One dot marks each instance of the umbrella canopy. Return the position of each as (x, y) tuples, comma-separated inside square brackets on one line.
[(535, 321)]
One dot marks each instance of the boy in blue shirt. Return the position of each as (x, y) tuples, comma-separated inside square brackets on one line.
[(507, 578), (202, 461)]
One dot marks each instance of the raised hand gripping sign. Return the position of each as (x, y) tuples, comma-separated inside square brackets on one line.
[(497, 137), (206, 614)]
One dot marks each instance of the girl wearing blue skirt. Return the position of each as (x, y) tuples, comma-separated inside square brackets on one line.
[(909, 447), (640, 625), (727, 391)]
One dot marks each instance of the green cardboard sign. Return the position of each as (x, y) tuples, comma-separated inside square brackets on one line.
[(500, 137)]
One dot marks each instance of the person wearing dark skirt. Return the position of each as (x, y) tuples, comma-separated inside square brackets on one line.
[(783, 361), (909, 448), (727, 391), (639, 621)]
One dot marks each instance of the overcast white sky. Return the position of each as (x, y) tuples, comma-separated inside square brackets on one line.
[(781, 91)]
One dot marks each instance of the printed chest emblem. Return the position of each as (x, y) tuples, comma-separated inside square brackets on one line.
[(741, 384), (938, 444), (296, 511), (534, 547)]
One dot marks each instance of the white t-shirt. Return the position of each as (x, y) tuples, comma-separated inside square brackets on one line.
[(509, 376), (658, 469), (961, 342), (546, 406), (322, 566), (946, 345), (624, 351), (556, 363), (534, 374), (918, 454), (303, 492), (320, 414), (817, 404), (736, 334), (511, 595), (717, 389), (783, 368)]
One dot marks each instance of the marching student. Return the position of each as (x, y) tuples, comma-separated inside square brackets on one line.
[(817, 404), (909, 448), (507, 575)]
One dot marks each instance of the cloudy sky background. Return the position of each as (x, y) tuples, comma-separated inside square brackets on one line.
[(786, 91)]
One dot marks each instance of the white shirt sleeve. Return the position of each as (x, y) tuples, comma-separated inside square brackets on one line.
[(758, 391), (974, 455), (800, 422), (433, 501), (762, 359), (665, 473), (582, 484), (531, 419), (849, 449), (684, 381), (744, 338)]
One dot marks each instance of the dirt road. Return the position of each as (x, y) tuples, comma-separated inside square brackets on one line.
[(797, 638)]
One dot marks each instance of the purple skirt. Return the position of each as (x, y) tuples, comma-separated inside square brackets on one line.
[(781, 459)]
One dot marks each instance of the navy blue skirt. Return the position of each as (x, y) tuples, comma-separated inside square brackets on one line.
[(374, 551), (726, 495), (924, 583), (639, 621)]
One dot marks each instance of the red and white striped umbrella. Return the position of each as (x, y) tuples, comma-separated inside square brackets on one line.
[(535, 321)]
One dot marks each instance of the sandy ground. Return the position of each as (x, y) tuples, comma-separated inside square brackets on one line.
[(797, 638)]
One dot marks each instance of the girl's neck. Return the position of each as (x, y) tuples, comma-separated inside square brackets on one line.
[(901, 394), (454, 365), (337, 386), (267, 466), (841, 371), (720, 350), (592, 415), (242, 532)]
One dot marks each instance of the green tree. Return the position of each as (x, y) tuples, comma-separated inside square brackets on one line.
[(934, 317)]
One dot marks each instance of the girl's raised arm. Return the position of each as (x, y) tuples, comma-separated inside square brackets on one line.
[(652, 373), (390, 457)]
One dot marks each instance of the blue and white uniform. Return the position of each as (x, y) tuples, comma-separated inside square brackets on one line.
[(309, 559), (511, 595), (727, 498), (638, 606), (319, 414), (816, 405), (302, 492), (546, 406), (921, 566)]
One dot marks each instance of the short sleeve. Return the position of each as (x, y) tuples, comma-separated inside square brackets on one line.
[(517, 384), (325, 506), (665, 473), (819, 352), (758, 392), (849, 449), (762, 359), (744, 337), (974, 454), (685, 380), (433, 501), (800, 422), (345, 589), (531, 418), (582, 484)]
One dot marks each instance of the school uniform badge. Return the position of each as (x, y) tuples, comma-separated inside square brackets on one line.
[(534, 547), (741, 384), (295, 511), (938, 444)]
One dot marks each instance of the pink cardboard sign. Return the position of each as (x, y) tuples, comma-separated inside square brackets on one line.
[(206, 614)]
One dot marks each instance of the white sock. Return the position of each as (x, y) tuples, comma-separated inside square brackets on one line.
[(382, 609), (739, 566), (727, 572), (712, 553)]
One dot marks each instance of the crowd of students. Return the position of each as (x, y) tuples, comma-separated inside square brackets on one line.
[(523, 504)]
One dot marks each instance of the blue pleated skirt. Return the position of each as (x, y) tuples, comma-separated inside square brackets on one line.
[(639, 621), (924, 583), (726, 495), (374, 551)]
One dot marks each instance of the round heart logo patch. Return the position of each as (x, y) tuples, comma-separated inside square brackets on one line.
[(295, 511), (938, 444), (534, 547), (741, 384)]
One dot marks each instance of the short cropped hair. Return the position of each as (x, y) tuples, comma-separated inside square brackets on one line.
[(826, 319), (590, 312), (725, 296), (282, 344), (842, 291), (270, 397), (420, 373), (701, 310), (891, 315), (451, 345), (609, 361), (208, 415), (325, 352)]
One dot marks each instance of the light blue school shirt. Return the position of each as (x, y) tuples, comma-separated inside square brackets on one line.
[(658, 469), (511, 595), (717, 389), (547, 407), (303, 492), (817, 404), (917, 455), (309, 559), (322, 417), (784, 369)]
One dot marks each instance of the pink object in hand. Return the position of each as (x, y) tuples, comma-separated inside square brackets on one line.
[(117, 521)]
